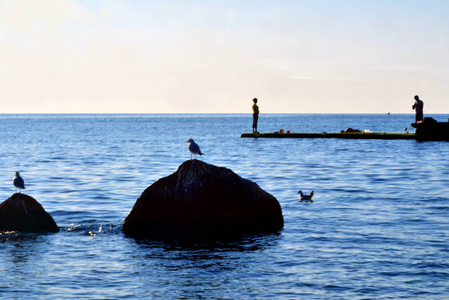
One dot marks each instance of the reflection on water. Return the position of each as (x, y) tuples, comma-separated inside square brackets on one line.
[(209, 269)]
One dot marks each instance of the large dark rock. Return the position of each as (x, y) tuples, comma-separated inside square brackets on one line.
[(200, 199), (23, 213)]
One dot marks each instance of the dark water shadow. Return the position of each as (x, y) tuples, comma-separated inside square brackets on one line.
[(247, 242)]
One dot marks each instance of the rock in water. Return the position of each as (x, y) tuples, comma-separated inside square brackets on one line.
[(23, 213), (200, 199)]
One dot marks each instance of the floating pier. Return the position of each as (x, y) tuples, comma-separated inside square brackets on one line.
[(336, 135), (426, 130)]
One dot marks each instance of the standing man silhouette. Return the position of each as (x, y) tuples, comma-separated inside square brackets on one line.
[(418, 107), (255, 115)]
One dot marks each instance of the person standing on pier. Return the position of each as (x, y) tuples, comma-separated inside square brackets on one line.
[(255, 115), (418, 107)]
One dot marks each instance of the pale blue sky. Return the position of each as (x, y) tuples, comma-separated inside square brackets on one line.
[(330, 56)]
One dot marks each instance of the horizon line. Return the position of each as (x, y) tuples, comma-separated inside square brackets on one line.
[(208, 113)]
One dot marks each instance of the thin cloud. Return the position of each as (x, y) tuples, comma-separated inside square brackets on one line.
[(327, 79)]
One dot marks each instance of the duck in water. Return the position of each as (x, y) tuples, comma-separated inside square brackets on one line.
[(306, 198)]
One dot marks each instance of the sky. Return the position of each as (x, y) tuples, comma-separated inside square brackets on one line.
[(295, 56)]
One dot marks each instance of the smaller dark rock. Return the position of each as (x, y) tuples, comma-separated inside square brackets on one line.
[(431, 130), (23, 213), (351, 130)]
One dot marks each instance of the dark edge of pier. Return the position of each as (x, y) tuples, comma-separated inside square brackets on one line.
[(336, 135)]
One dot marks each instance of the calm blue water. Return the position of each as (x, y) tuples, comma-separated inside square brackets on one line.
[(378, 228)]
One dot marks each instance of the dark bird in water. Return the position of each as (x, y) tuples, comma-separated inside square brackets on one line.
[(193, 148), (18, 182), (306, 198)]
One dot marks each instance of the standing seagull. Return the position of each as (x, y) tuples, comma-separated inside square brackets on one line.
[(306, 198), (193, 148), (18, 182)]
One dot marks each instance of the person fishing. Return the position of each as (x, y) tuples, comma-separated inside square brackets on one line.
[(255, 115), (418, 107)]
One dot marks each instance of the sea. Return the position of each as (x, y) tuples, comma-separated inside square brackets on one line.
[(378, 227)]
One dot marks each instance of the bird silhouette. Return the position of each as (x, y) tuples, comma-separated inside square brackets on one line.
[(306, 198), (193, 148), (18, 182)]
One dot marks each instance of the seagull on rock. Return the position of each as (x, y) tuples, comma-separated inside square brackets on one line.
[(18, 182), (306, 198), (193, 148)]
